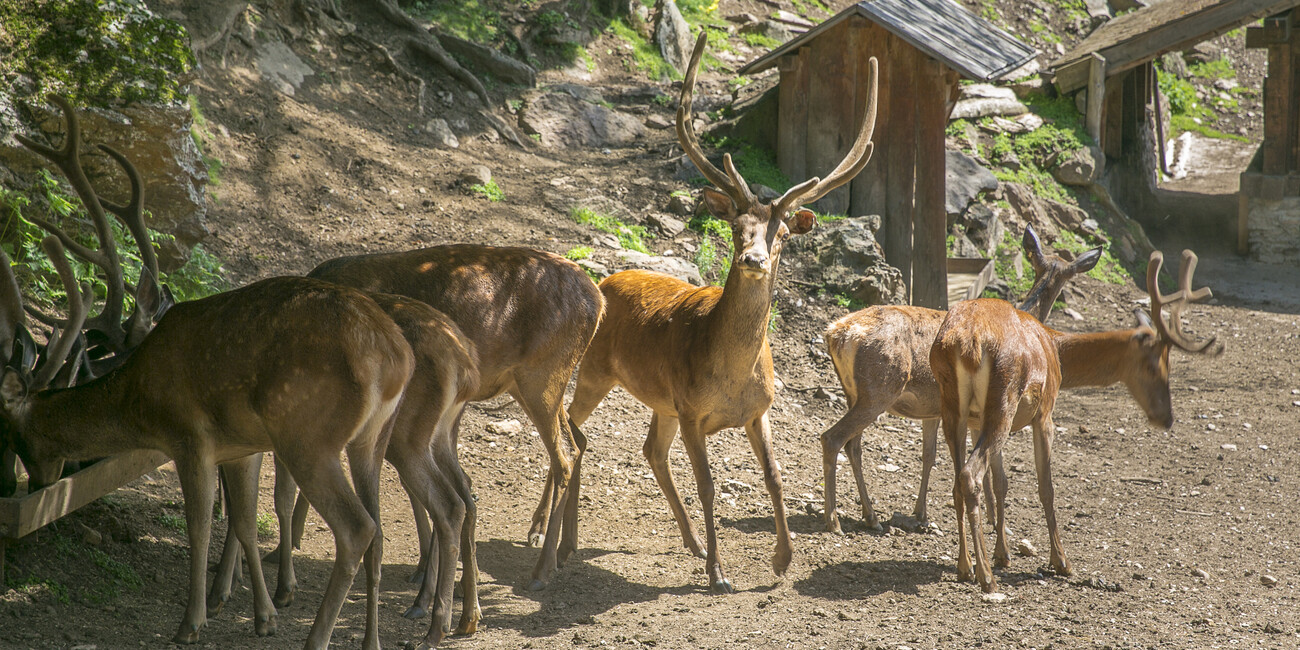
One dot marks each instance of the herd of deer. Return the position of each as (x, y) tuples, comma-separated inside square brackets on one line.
[(377, 356)]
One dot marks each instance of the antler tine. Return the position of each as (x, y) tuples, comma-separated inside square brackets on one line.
[(68, 159), (857, 158), (61, 342), (132, 214), (11, 307), (1176, 302), (730, 184)]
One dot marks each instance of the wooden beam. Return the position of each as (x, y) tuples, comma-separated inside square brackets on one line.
[(1243, 223), (1279, 100), (903, 104), (1096, 96), (930, 220), (868, 193), (1113, 115), (22, 515), (792, 116), (832, 99), (1072, 76)]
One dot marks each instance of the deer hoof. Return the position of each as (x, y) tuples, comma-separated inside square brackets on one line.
[(215, 605), (722, 586), (187, 635), (466, 628), (537, 585), (535, 540), (265, 626), (415, 613)]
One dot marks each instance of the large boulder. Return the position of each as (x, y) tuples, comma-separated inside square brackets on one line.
[(1048, 217), (1081, 167), (562, 120), (852, 263), (673, 36), (983, 100), (965, 179)]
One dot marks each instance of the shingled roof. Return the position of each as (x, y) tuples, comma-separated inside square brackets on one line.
[(1140, 36), (941, 28)]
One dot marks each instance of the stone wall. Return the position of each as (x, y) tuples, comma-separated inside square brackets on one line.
[(1274, 230)]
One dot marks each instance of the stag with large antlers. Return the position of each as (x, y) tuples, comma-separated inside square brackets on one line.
[(882, 357), (301, 366), (699, 356), (999, 369)]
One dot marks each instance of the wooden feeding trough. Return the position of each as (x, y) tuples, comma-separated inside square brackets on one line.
[(924, 47), (20, 516), (967, 277)]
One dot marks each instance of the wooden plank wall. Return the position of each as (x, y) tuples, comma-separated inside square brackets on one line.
[(930, 221), (867, 193), (1279, 104), (792, 101), (832, 101), (901, 132)]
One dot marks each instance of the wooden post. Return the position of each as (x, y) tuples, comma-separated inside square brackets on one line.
[(930, 220), (868, 193), (792, 116), (901, 133), (1243, 222), (831, 108), (1279, 88), (1096, 95)]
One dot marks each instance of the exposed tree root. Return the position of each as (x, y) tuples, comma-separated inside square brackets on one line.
[(222, 33), (424, 42), (401, 70)]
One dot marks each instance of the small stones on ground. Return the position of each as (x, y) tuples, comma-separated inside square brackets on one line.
[(1025, 548), (1268, 580), (1270, 628), (849, 616), (1201, 573), (505, 427), (888, 467), (1227, 446), (994, 598)]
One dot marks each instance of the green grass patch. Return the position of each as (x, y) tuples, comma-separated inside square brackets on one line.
[(172, 522), (472, 20), (267, 525), (489, 190), (761, 40), (1217, 69), (579, 253), (714, 256), (1108, 268), (630, 237), (1179, 124), (645, 57)]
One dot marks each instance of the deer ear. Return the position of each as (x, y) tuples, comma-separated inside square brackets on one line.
[(801, 222), (1087, 260), (1033, 249), (719, 204), (12, 388)]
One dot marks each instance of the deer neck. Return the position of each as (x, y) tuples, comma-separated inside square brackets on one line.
[(738, 324), (80, 423), (1092, 359)]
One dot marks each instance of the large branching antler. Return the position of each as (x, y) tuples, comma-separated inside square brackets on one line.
[(79, 297), (105, 328), (731, 182), (1176, 302), (857, 158)]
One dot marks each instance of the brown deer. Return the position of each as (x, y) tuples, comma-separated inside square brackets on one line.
[(297, 365), (999, 369), (531, 316), (699, 356), (882, 357), (423, 450)]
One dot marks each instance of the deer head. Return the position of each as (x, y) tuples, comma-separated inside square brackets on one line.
[(1051, 274), (759, 229), (1148, 381)]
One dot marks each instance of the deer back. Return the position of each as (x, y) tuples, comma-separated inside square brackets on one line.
[(887, 346), (444, 356), (518, 305)]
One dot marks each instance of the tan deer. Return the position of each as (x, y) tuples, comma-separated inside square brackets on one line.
[(999, 369), (882, 357), (699, 356), (297, 365), (531, 316), (423, 450)]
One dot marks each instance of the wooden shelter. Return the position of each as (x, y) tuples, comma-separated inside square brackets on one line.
[(924, 47), (1114, 65)]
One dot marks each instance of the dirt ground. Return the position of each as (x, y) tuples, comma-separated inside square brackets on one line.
[(1171, 533)]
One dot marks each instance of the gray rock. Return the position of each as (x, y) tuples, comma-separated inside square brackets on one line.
[(594, 267), (1081, 167), (672, 266), (983, 100), (1117, 6), (763, 192), (585, 93), (656, 121), (666, 224), (1010, 160), (1173, 63), (681, 206), (565, 121), (505, 427), (1202, 52), (1098, 11), (851, 261), (769, 28), (475, 175), (742, 18), (965, 179), (983, 228), (281, 68), (442, 134), (1048, 217), (673, 36)]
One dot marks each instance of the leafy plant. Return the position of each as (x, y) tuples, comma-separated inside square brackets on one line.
[(172, 522), (761, 40), (266, 525), (629, 237), (711, 255), (645, 57), (579, 253), (472, 20), (489, 190)]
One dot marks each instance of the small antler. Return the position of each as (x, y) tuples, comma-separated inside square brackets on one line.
[(1176, 302), (857, 158), (731, 183), (61, 341)]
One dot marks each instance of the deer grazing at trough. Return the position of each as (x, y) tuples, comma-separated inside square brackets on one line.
[(699, 356), (422, 448), (999, 369), (304, 367), (882, 357), (530, 315)]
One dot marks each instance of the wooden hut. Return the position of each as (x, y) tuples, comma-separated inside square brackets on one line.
[(924, 47), (1114, 65)]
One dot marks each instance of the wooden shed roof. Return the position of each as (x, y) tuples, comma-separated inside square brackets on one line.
[(942, 29), (1140, 36)]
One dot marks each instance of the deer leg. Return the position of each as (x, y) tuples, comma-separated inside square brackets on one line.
[(241, 490), (569, 533), (286, 493), (197, 485), (543, 405), (423, 532), (223, 578), (929, 449), (854, 449), (1043, 433), (969, 481), (997, 506), (470, 614), (424, 480), (954, 419), (848, 430), (663, 429), (694, 441), (989, 510), (364, 461), (760, 438)]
